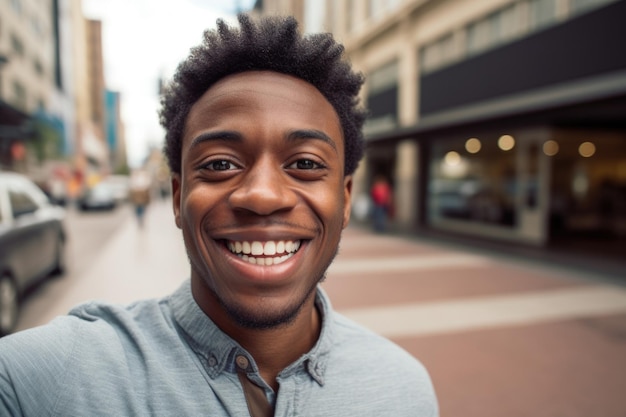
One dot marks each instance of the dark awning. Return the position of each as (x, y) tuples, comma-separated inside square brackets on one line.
[(10, 116), (14, 124)]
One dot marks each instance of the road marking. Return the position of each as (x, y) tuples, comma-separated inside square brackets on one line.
[(430, 318), (407, 263)]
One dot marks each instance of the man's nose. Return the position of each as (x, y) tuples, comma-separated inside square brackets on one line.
[(264, 190)]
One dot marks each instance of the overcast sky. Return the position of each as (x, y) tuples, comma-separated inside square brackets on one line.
[(144, 40)]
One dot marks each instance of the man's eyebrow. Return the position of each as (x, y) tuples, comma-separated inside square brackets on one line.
[(312, 134), (221, 135)]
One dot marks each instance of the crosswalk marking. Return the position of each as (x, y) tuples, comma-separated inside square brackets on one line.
[(487, 312), (407, 263)]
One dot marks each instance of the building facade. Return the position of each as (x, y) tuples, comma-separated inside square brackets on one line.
[(54, 124), (498, 119), (27, 74)]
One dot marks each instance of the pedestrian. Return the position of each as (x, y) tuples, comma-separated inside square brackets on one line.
[(382, 202), (139, 194), (263, 134), (140, 198)]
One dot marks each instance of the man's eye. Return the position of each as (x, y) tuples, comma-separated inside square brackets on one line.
[(305, 164), (221, 165)]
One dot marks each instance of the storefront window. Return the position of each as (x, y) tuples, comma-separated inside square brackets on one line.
[(588, 190), (474, 180)]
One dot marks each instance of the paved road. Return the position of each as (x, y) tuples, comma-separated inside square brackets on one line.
[(501, 336)]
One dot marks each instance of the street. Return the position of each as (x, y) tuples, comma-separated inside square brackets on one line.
[(501, 336)]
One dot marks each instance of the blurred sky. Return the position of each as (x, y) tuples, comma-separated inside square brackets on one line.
[(144, 40)]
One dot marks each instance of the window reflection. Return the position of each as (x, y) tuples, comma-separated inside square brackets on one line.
[(474, 180)]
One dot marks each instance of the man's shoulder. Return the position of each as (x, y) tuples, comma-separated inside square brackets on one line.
[(92, 328)]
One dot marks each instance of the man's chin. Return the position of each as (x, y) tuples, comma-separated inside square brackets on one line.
[(263, 319), (266, 317)]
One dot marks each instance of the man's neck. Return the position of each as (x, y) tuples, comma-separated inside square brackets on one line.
[(272, 349), (275, 349)]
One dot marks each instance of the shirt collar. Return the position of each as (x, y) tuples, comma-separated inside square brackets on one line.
[(217, 350)]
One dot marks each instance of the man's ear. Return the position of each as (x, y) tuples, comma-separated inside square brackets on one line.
[(347, 199), (176, 190)]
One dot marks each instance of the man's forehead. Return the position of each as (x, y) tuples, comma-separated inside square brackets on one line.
[(258, 81), (252, 88)]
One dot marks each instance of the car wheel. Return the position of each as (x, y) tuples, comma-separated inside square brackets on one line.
[(60, 265), (9, 305)]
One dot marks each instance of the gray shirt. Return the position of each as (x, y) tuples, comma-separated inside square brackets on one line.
[(167, 358)]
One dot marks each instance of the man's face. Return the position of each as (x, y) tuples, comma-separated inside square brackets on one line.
[(261, 197)]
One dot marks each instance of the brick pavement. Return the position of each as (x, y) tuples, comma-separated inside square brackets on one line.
[(500, 337)]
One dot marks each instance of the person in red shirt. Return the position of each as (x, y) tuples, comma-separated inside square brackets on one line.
[(381, 199)]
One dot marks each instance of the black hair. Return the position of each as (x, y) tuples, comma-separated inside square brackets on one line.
[(273, 44)]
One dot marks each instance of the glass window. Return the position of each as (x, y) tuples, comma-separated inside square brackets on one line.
[(438, 53), (17, 6), (542, 13), (37, 65), (478, 37), (377, 8), (579, 6), (17, 45), (19, 95), (21, 203), (509, 22), (383, 78), (473, 180)]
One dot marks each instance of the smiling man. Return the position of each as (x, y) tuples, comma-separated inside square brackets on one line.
[(263, 133)]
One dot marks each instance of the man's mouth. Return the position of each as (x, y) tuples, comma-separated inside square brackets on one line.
[(264, 253)]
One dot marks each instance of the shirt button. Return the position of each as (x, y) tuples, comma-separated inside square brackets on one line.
[(212, 361), (242, 362)]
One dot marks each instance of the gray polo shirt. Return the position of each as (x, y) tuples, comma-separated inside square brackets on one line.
[(167, 358)]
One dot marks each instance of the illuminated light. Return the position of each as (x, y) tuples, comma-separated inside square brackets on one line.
[(506, 142), (550, 148), (473, 145), (452, 158), (586, 149)]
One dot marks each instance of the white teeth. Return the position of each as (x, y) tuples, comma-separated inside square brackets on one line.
[(249, 251), (270, 248), (256, 248)]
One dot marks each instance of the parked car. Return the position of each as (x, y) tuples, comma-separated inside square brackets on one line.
[(99, 197), (32, 242), (119, 185)]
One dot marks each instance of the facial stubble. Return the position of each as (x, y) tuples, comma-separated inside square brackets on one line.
[(263, 319)]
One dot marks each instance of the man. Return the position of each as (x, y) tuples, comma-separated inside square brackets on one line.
[(263, 134)]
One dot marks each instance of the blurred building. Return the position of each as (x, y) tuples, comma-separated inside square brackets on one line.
[(499, 119), (27, 74), (58, 123), (116, 141), (93, 161)]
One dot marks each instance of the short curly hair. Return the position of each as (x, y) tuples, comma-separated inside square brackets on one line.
[(273, 44)]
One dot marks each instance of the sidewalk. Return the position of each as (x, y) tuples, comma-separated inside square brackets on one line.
[(501, 335)]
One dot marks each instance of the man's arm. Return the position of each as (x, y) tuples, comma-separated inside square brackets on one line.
[(33, 364)]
